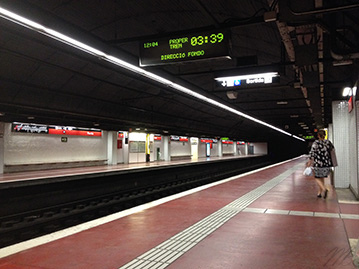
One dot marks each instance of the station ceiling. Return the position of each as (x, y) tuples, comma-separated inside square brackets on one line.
[(312, 45)]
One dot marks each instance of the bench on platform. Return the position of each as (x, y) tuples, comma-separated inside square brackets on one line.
[(181, 157)]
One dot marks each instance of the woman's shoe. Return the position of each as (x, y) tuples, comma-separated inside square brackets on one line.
[(319, 195), (325, 194)]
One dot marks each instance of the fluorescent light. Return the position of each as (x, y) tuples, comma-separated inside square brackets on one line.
[(282, 103), (267, 77)]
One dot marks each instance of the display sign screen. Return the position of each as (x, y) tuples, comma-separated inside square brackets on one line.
[(58, 130), (248, 80), (209, 140), (181, 48), (179, 138), (62, 130), (227, 142), (157, 137)]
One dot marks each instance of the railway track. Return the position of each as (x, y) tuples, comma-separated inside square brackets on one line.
[(46, 218)]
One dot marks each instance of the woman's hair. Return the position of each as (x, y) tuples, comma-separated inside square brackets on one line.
[(321, 134)]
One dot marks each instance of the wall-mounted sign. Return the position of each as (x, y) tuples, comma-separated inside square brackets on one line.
[(186, 47), (64, 139), (67, 130), (245, 80), (58, 130), (157, 137), (227, 142), (209, 140), (241, 143), (121, 135), (179, 138), (29, 128)]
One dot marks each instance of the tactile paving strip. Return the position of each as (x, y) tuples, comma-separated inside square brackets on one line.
[(164, 254)]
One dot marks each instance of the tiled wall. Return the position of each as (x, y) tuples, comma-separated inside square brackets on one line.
[(343, 143), (355, 180)]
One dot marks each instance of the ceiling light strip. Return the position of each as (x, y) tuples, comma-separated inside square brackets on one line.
[(109, 58)]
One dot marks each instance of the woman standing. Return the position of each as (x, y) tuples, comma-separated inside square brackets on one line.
[(320, 159)]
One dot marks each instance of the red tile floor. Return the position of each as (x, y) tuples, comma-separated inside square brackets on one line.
[(283, 225)]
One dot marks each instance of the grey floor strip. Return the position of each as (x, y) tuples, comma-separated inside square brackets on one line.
[(170, 250), (301, 213)]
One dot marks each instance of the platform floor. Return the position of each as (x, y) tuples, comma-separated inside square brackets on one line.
[(269, 218)]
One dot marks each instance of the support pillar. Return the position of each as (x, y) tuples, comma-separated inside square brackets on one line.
[(111, 148), (220, 148), (2, 147), (166, 149)]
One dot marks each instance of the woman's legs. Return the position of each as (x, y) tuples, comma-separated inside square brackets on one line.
[(320, 182)]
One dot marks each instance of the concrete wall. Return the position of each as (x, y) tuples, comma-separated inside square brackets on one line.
[(345, 139), (33, 148)]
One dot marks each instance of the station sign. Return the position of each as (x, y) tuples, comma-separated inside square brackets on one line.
[(179, 138), (65, 130), (157, 137), (227, 142), (209, 140), (185, 47), (57, 130), (248, 80)]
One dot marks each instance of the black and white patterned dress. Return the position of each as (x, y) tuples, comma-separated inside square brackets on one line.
[(320, 154)]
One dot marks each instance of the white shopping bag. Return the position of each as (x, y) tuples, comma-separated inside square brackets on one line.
[(308, 172)]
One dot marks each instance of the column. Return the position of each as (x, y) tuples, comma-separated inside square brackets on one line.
[(2, 147), (220, 148), (345, 143), (125, 148), (166, 150), (112, 147)]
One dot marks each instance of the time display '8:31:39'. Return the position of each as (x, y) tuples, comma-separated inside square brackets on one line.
[(213, 38)]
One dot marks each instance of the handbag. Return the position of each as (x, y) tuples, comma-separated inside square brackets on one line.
[(308, 171), (333, 156)]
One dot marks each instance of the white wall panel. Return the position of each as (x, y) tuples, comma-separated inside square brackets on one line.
[(355, 179), (2, 127), (260, 148), (228, 148), (27, 148), (343, 143), (180, 148)]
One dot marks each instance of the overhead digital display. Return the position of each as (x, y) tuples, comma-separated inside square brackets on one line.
[(245, 80), (191, 47)]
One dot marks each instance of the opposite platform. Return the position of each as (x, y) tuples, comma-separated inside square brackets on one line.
[(267, 219)]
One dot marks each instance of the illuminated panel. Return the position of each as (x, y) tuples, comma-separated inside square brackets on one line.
[(191, 47), (227, 142), (157, 138), (245, 80), (179, 138), (209, 140), (29, 128), (58, 130)]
